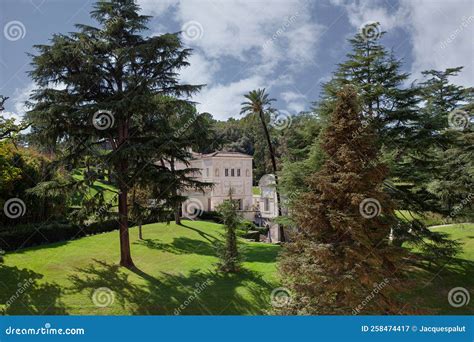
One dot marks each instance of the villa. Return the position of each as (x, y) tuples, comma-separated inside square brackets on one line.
[(226, 170)]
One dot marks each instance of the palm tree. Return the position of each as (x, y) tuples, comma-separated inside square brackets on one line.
[(259, 103)]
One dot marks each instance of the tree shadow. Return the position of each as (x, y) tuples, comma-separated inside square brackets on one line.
[(212, 239), (23, 293), (195, 293), (181, 245), (434, 282), (258, 252)]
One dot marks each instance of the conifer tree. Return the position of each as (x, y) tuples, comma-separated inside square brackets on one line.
[(340, 249), (98, 87), (228, 252)]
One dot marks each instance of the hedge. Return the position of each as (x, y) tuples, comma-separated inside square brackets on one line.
[(28, 235)]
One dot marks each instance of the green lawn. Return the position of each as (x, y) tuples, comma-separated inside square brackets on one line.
[(173, 261), (435, 282)]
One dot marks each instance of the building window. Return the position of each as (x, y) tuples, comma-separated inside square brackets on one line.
[(207, 172), (238, 172), (266, 204), (227, 172), (232, 173), (217, 172), (247, 173)]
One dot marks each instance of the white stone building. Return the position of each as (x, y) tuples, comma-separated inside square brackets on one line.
[(225, 170)]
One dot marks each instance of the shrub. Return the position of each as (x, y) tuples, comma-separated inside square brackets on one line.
[(28, 235)]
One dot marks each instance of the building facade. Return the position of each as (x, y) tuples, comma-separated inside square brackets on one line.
[(225, 170)]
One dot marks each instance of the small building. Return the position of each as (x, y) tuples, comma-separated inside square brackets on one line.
[(267, 206), (226, 170)]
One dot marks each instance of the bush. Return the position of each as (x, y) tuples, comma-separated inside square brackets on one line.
[(210, 216), (28, 235)]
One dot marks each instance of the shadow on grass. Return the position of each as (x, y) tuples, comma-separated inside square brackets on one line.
[(23, 293), (181, 245), (435, 282), (196, 293)]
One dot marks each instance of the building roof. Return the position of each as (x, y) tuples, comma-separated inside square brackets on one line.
[(222, 154)]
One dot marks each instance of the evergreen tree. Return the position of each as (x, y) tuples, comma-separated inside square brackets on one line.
[(340, 249), (445, 149), (98, 87), (229, 253)]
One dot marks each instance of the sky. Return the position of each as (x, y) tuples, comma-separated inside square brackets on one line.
[(289, 47)]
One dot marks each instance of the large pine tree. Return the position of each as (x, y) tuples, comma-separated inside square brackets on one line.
[(98, 87), (340, 249)]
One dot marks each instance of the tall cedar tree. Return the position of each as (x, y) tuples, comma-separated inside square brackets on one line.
[(115, 69), (336, 255)]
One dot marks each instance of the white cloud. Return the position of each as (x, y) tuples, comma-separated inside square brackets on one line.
[(223, 101), (442, 36), (295, 102), (200, 71), (365, 11), (17, 102), (440, 31), (256, 37)]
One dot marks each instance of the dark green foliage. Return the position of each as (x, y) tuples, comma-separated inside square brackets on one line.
[(29, 235), (230, 258), (114, 73)]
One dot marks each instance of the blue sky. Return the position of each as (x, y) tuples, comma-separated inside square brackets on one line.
[(286, 46)]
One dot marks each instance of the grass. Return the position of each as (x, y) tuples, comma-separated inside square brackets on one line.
[(435, 282), (428, 218), (172, 263)]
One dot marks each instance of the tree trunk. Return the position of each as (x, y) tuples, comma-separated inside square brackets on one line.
[(177, 217), (125, 253), (272, 156), (140, 233)]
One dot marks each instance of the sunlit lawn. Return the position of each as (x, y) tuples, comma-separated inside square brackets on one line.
[(172, 263)]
